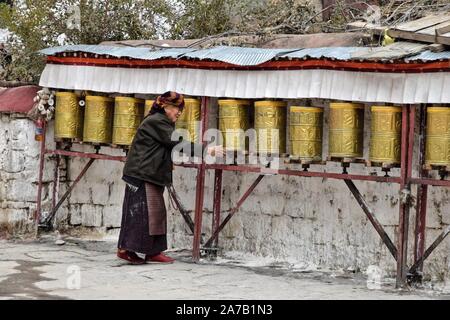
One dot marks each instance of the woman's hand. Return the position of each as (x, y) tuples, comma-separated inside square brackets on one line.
[(217, 151)]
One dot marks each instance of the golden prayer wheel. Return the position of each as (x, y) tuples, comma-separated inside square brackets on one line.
[(346, 130), (270, 126), (148, 105), (233, 122), (437, 146), (68, 116), (305, 132), (385, 136), (128, 114), (190, 119), (98, 116)]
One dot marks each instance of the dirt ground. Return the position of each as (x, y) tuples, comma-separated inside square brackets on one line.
[(82, 269)]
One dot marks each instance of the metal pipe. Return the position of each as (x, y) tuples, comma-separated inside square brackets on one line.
[(402, 245), (217, 203), (430, 249), (183, 211), (68, 192), (372, 218), (98, 156), (233, 211), (55, 181), (289, 172), (200, 189), (422, 191), (37, 216)]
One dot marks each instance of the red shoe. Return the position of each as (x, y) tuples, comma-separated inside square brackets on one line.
[(160, 258), (130, 256)]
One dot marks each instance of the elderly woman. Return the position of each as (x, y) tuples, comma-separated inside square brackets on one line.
[(147, 171)]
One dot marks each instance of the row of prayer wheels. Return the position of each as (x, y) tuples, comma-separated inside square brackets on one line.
[(105, 120), (306, 127)]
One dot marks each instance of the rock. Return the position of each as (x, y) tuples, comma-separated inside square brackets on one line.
[(60, 242)]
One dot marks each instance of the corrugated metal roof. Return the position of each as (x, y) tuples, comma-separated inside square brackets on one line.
[(339, 53), (238, 55), (430, 56), (254, 56), (131, 52)]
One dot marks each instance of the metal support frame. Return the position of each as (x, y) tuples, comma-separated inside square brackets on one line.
[(372, 218), (422, 192), (407, 139), (405, 180), (187, 218), (200, 190)]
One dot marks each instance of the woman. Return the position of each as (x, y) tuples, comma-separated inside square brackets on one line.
[(147, 171)]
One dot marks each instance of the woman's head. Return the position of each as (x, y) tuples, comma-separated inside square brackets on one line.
[(170, 103)]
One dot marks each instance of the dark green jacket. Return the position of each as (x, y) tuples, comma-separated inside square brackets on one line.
[(149, 158)]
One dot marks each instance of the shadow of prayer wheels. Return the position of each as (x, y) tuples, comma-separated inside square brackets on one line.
[(385, 135), (437, 146), (233, 122), (148, 105), (128, 114), (190, 119), (305, 133), (346, 130), (270, 126), (68, 116), (98, 115)]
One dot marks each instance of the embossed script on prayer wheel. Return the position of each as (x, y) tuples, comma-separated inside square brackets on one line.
[(346, 130), (190, 119), (385, 135), (128, 114), (148, 105), (305, 132), (68, 116), (98, 115), (233, 122), (437, 147), (270, 126)]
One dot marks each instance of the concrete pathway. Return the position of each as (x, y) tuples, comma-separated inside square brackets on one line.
[(89, 270)]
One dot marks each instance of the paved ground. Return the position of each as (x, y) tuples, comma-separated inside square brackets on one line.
[(89, 270)]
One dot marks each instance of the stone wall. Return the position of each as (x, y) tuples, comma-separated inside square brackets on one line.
[(308, 221)]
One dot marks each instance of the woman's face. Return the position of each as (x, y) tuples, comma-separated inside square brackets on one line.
[(172, 112)]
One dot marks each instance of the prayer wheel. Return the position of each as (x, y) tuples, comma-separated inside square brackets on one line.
[(190, 119), (346, 130), (148, 105), (385, 136), (233, 122), (305, 132), (128, 114), (98, 115), (68, 116), (270, 126), (437, 145)]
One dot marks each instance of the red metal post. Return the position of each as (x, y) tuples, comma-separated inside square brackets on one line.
[(37, 215), (200, 189), (55, 181), (422, 191), (217, 203), (408, 116)]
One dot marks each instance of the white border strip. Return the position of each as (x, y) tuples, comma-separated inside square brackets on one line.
[(286, 84)]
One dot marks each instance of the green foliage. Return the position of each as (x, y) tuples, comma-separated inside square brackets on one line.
[(38, 24)]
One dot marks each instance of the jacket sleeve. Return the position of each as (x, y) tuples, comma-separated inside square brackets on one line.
[(161, 131)]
